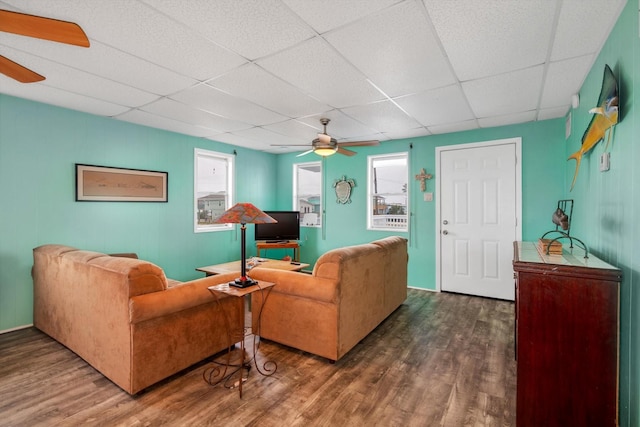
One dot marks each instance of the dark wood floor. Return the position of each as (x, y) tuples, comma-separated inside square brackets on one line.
[(439, 360)]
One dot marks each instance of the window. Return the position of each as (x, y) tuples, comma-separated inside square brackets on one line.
[(387, 201), (213, 187), (307, 191)]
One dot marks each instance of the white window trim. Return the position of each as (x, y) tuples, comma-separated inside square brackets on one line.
[(295, 190), (230, 159), (370, 159)]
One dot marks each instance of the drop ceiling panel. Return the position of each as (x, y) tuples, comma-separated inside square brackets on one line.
[(382, 116), (326, 15), (147, 119), (508, 119), (80, 82), (583, 26), (60, 98), (407, 133), (341, 125), (509, 93), (396, 49), (295, 129), (486, 37), (563, 80), (317, 69), (252, 29), (553, 113), (214, 101), (454, 127), (437, 106), (257, 85)]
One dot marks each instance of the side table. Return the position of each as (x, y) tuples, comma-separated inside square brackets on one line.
[(223, 372), (260, 246)]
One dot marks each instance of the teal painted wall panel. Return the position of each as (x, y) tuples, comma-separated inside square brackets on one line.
[(543, 148), (607, 204), (39, 146)]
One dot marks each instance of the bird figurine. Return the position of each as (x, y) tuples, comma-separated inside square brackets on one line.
[(605, 116)]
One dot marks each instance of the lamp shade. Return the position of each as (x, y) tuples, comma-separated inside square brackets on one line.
[(244, 213)]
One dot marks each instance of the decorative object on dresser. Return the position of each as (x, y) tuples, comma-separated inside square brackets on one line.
[(567, 338), (562, 220), (244, 213)]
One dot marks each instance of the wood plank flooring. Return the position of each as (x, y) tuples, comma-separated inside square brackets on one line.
[(439, 360)]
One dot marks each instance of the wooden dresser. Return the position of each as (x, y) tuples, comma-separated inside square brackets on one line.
[(567, 337)]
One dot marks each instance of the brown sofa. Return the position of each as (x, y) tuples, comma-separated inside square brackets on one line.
[(350, 291), (124, 317)]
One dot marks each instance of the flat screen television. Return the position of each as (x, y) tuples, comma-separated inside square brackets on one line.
[(287, 227)]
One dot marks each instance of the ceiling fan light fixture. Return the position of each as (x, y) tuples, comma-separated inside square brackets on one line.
[(325, 151)]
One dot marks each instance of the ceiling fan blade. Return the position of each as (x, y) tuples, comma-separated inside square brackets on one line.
[(359, 143), (305, 153), (43, 28), (346, 152), (18, 72)]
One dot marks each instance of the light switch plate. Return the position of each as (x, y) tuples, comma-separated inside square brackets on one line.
[(604, 162), (428, 197)]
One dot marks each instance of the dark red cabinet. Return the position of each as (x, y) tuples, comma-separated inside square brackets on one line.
[(567, 338)]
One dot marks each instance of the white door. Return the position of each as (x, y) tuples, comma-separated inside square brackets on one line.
[(478, 210)]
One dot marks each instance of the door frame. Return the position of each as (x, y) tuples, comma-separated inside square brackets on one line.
[(518, 185)]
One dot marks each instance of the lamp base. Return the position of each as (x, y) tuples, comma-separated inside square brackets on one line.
[(243, 282)]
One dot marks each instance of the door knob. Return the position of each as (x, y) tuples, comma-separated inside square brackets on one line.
[(445, 222), (445, 232)]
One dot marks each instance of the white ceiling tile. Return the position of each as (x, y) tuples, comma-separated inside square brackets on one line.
[(408, 133), (437, 106), (564, 79), (318, 70), (340, 127), (508, 119), (186, 113), (251, 28), (395, 49), (505, 93), (583, 26), (58, 97), (296, 130), (384, 116), (326, 15), (454, 127), (553, 113), (138, 29), (76, 81), (485, 37), (214, 101), (103, 61), (160, 122), (257, 85), (266, 138)]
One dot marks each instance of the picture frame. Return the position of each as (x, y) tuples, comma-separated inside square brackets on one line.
[(111, 184)]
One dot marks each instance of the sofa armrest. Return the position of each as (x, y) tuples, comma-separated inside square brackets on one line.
[(299, 284), (177, 298)]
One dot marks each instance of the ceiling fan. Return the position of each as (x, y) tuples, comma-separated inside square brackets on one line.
[(325, 145), (38, 27)]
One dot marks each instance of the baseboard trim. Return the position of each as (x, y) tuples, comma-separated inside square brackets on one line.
[(17, 328)]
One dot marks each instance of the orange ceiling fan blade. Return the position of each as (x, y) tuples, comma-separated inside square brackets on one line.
[(359, 143), (43, 28), (18, 72), (346, 152)]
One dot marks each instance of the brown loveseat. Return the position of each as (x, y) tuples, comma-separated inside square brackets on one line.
[(124, 317), (350, 292)]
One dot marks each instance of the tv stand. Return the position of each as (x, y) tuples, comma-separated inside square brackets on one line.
[(280, 244)]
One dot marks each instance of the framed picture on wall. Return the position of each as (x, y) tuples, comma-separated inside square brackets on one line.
[(110, 184)]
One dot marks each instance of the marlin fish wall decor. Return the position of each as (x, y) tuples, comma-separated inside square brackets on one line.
[(605, 116)]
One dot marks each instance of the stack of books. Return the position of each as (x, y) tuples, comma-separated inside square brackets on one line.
[(554, 249)]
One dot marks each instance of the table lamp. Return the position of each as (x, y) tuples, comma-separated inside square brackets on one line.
[(244, 213)]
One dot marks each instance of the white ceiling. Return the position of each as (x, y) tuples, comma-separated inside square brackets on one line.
[(259, 72)]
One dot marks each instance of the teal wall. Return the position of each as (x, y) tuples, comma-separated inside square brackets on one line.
[(39, 146), (543, 162), (607, 204)]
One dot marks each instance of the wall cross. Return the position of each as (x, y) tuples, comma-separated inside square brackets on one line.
[(423, 176)]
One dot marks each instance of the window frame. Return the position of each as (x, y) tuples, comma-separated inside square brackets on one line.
[(229, 184), (370, 194), (296, 207)]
